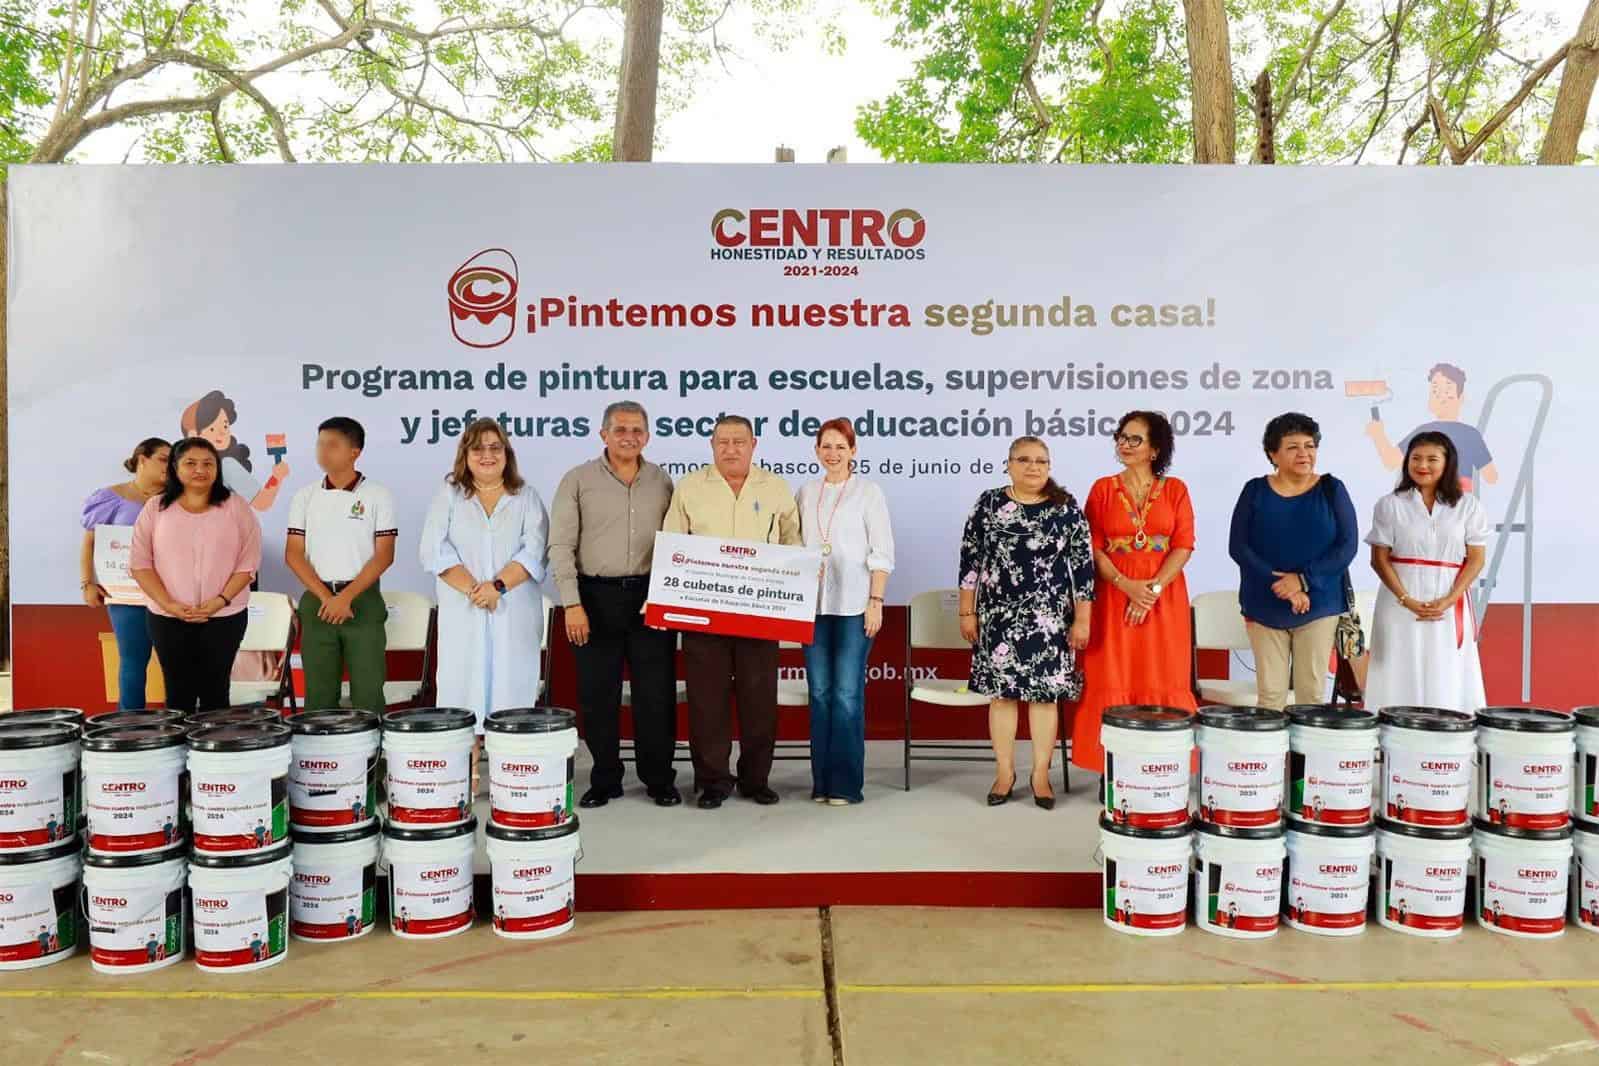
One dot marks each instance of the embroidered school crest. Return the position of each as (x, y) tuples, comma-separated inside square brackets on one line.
[(358, 509)]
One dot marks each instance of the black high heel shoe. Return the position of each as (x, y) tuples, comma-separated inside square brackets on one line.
[(1045, 802), (999, 799)]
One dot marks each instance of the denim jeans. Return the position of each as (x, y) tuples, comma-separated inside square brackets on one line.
[(133, 654), (835, 667)]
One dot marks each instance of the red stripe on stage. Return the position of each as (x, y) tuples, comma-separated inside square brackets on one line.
[(722, 623), (714, 891)]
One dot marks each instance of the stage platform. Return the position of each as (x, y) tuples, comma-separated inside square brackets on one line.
[(936, 845)]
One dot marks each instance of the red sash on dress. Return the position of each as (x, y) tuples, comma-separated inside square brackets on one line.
[(1460, 604)]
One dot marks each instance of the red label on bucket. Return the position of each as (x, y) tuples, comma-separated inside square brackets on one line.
[(533, 923), (528, 819), (419, 926), (1327, 919), (328, 930), (132, 842), (1412, 920), (1240, 819), (429, 815), (1419, 816), (311, 819)]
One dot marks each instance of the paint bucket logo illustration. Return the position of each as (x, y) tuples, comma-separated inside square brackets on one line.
[(483, 299)]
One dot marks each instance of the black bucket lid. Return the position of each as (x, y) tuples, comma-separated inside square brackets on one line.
[(1243, 719), (1173, 832), (432, 832), (1336, 832), (529, 836), (120, 719), (104, 861), (1588, 716), (36, 735), (1581, 826), (1425, 832), (530, 720), (1428, 719), (1526, 719), (334, 722), (135, 738), (42, 714), (248, 736), (54, 851), (429, 720), (336, 836), (232, 716), (1149, 717), (1240, 832), (238, 860), (1330, 716), (1517, 833)]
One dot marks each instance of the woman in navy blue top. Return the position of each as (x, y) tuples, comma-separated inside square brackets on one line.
[(1294, 535)]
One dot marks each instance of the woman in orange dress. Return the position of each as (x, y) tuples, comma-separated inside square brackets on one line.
[(1141, 647)]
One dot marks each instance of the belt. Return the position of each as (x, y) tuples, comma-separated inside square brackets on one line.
[(1460, 604), (628, 581), (337, 587)]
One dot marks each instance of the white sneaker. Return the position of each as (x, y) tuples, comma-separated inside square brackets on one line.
[(834, 801)]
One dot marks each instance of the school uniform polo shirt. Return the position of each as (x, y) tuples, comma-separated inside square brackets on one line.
[(341, 526)]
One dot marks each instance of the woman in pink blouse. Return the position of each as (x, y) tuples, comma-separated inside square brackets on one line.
[(196, 549)]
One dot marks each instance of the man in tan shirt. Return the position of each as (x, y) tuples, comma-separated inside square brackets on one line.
[(602, 535), (734, 500)]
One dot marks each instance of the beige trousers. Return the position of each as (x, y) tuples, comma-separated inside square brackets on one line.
[(1292, 658)]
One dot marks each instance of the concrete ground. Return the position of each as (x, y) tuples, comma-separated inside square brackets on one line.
[(876, 987)]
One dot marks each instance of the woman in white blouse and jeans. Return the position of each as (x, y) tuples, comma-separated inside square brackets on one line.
[(846, 517)]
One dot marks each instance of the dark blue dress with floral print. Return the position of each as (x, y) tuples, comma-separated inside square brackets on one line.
[(1028, 563)]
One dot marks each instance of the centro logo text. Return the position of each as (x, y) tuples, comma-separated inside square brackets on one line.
[(738, 549), (832, 227), (444, 873)]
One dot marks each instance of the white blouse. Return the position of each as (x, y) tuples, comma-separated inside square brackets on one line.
[(853, 518)]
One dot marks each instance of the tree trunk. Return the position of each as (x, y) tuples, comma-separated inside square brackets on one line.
[(634, 140), (1210, 63), (1576, 92), (1265, 124)]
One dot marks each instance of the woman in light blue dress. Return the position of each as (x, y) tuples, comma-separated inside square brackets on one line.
[(485, 540)]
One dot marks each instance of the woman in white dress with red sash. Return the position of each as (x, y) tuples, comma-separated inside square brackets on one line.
[(1428, 541)]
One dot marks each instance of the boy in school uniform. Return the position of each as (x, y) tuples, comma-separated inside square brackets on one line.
[(341, 540)]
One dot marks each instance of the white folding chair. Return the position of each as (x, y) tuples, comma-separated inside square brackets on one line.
[(1219, 625), (269, 628), (410, 627), (934, 625), (792, 693)]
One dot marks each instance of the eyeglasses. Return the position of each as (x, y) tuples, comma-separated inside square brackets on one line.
[(487, 449), (1132, 440), (1021, 461)]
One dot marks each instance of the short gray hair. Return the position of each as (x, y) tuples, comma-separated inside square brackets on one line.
[(623, 407)]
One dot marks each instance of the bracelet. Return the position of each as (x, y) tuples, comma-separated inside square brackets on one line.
[(874, 599), (83, 585), (223, 596), (968, 614)]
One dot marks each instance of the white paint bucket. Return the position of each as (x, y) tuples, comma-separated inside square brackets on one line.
[(428, 751), (1148, 764), (1421, 878), (334, 893), (1524, 757), (531, 752), (39, 906), (1145, 879), (135, 910), (534, 876), (333, 778), (1523, 876), (239, 787), (1585, 877), (1332, 758), (1427, 757), (241, 908), (133, 778), (430, 879), (1238, 880), (1242, 755), (1585, 783), (1328, 880), (38, 784)]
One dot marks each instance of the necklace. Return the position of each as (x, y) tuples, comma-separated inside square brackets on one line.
[(827, 530), (1139, 513), (1013, 494)]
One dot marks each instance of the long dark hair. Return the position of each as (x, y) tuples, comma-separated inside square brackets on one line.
[(174, 488), (145, 449), (1054, 495), (1449, 483), (205, 410)]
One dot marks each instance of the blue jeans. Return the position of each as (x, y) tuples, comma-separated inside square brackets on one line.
[(835, 667), (133, 653)]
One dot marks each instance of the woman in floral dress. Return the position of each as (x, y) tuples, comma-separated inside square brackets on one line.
[(1026, 579)]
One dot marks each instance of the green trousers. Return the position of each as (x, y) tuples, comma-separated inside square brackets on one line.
[(358, 645)]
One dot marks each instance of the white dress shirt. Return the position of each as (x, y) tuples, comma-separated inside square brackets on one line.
[(853, 518)]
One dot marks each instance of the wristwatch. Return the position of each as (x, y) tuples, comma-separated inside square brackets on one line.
[(499, 586), (1155, 587)]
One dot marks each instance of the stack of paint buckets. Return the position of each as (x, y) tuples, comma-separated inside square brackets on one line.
[(1145, 830), (1239, 859), (40, 867)]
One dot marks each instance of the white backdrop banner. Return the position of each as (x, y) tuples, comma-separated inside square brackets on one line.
[(944, 310)]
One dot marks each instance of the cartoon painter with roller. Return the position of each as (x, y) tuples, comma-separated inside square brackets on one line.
[(1446, 396)]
